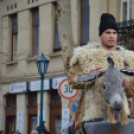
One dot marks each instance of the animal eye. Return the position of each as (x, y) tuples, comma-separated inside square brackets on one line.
[(103, 86)]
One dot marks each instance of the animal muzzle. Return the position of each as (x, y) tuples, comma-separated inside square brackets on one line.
[(117, 103)]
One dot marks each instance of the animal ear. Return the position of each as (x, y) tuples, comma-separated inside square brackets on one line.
[(128, 72), (110, 61), (90, 77)]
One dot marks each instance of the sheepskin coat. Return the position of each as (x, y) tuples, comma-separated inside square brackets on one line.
[(86, 59)]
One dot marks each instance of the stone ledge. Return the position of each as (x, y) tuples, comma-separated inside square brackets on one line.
[(11, 62), (35, 77), (32, 59), (55, 54)]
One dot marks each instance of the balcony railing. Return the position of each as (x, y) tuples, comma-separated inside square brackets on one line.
[(126, 34), (128, 23)]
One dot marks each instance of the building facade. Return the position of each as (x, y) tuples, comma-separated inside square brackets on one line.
[(28, 28)]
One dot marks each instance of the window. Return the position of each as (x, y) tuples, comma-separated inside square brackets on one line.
[(84, 22), (55, 98), (130, 9), (57, 125), (32, 99), (28, 1), (57, 46), (10, 100), (35, 32), (126, 10), (14, 55), (33, 122)]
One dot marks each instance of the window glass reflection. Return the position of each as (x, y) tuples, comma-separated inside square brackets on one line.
[(58, 124), (124, 11), (33, 122), (11, 125)]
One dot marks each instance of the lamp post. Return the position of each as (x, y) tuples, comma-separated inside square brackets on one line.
[(42, 65)]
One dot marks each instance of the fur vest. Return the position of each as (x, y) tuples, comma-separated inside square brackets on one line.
[(88, 57)]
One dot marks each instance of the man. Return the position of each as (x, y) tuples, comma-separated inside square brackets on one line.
[(93, 57)]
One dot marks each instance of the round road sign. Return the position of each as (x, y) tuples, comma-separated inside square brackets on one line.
[(74, 105), (65, 91)]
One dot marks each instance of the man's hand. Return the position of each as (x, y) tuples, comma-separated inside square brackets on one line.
[(96, 70), (127, 85)]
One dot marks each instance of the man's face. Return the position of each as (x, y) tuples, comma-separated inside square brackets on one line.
[(109, 38)]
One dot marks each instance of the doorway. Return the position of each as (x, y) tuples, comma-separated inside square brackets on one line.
[(55, 113), (55, 119), (10, 113), (32, 122), (10, 124), (32, 111)]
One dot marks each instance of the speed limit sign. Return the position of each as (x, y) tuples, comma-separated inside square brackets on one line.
[(65, 91)]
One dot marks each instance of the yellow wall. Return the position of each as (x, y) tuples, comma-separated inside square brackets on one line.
[(103, 6), (118, 16), (132, 9), (114, 8), (94, 20)]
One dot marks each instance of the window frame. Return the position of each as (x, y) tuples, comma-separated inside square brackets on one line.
[(38, 27), (128, 9), (14, 54), (55, 25)]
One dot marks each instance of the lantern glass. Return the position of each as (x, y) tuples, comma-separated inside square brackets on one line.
[(46, 66), (42, 64), (42, 69)]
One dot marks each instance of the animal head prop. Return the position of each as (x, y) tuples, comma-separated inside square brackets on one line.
[(112, 89)]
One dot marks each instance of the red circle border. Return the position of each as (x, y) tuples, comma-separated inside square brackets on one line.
[(60, 93)]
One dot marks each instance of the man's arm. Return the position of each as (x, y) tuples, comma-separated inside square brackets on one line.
[(75, 71), (129, 88), (129, 82)]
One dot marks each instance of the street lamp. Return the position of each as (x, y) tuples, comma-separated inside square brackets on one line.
[(42, 64)]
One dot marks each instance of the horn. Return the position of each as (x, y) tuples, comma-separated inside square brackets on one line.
[(89, 77), (110, 61), (129, 72)]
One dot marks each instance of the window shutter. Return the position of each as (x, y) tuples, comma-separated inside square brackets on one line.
[(36, 17), (14, 24), (56, 40), (84, 22)]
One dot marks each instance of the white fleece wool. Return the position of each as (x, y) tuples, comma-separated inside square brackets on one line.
[(89, 58)]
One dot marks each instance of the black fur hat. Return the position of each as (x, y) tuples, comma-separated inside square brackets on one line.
[(107, 21)]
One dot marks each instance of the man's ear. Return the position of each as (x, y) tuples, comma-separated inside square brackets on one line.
[(100, 37)]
